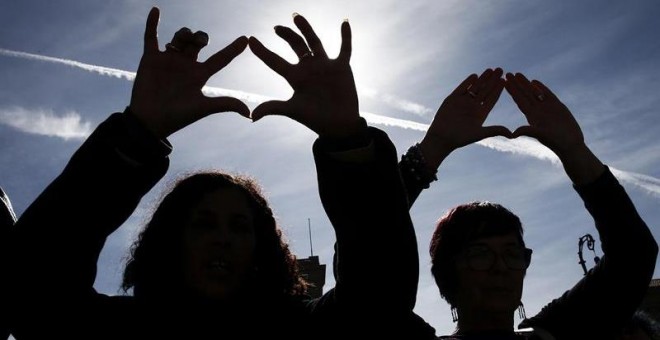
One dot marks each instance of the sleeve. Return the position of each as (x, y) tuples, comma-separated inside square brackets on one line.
[(58, 239), (602, 302), (415, 173), (376, 262), (413, 185)]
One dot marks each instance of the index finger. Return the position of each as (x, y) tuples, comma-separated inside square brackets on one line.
[(546, 91), (223, 57), (465, 84), (151, 31), (516, 92), (272, 60)]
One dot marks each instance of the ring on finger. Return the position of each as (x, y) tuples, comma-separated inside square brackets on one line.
[(305, 55), (540, 97), (172, 47), (472, 93)]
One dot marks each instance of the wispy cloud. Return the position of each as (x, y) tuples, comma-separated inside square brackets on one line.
[(43, 122), (395, 102), (69, 126), (647, 183)]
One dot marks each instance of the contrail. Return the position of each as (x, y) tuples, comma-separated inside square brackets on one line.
[(518, 146), (121, 74), (104, 71), (395, 102)]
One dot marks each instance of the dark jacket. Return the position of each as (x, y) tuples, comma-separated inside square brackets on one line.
[(58, 239)]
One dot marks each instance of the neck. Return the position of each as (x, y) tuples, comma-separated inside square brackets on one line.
[(469, 323)]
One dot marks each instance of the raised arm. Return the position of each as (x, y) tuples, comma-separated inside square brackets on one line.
[(602, 302), (457, 123), (57, 241), (376, 267)]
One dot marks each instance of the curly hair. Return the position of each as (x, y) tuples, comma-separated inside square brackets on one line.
[(154, 266), (456, 229)]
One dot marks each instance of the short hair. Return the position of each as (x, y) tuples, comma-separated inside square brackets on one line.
[(154, 266), (456, 229)]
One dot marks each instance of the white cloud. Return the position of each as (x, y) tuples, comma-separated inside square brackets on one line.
[(242, 95), (43, 122)]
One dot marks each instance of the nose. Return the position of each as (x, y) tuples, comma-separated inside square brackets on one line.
[(221, 235), (499, 265)]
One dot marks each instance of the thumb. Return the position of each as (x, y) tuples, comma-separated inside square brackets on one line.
[(526, 130), (224, 104), (495, 130), (273, 107)]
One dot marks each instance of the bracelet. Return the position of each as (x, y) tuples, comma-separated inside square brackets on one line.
[(414, 165)]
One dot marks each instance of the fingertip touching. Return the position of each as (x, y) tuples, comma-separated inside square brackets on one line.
[(257, 113), (242, 42), (527, 131), (499, 130), (253, 42)]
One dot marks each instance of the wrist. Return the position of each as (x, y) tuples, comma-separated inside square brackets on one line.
[(581, 165), (435, 150), (415, 166), (350, 137)]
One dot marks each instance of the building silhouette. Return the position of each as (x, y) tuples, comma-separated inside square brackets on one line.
[(314, 273), (651, 302)]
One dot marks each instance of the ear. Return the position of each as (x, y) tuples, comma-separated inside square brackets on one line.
[(528, 257)]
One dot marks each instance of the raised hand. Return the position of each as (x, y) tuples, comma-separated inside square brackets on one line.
[(549, 119), (553, 124), (459, 120), (324, 98), (167, 93)]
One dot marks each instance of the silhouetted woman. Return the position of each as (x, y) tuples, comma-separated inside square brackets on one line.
[(211, 262), (479, 258)]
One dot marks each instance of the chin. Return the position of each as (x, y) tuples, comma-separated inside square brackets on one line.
[(501, 305), (217, 292)]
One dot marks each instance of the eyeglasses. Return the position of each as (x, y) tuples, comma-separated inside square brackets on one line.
[(481, 257)]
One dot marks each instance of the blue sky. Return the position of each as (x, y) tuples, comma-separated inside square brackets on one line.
[(601, 58)]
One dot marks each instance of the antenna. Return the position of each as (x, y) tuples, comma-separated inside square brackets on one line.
[(309, 228)]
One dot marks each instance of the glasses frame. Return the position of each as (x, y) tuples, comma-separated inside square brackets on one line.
[(462, 257)]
